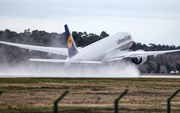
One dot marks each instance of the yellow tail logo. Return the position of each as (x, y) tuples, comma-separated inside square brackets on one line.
[(69, 42)]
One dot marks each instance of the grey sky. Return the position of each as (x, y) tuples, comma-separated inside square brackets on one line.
[(149, 21)]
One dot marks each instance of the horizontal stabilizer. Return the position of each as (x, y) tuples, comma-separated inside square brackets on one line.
[(63, 61), (48, 60)]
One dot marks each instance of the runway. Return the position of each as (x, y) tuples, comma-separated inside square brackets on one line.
[(89, 76), (159, 76)]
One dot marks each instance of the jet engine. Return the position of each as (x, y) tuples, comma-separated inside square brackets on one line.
[(140, 59)]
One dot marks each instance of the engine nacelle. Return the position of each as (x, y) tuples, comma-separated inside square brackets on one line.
[(139, 60)]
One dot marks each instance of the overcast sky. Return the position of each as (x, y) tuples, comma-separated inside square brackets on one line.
[(148, 21)]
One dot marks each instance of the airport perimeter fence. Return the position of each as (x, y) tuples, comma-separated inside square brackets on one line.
[(97, 101), (116, 101)]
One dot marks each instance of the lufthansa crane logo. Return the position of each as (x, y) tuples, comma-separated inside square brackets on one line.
[(69, 42)]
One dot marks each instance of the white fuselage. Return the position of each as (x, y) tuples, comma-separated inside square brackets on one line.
[(96, 51)]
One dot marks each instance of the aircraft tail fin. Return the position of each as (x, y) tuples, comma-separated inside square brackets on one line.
[(72, 49)]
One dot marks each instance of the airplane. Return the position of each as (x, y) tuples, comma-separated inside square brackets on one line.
[(112, 48)]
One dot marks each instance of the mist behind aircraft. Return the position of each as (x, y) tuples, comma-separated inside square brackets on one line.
[(119, 69)]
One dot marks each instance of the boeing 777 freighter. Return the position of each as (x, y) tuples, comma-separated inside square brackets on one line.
[(111, 48)]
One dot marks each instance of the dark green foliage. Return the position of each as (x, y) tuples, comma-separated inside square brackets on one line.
[(84, 39), (103, 34), (178, 66), (151, 66), (169, 67), (158, 68)]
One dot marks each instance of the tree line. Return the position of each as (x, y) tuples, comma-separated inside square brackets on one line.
[(14, 55)]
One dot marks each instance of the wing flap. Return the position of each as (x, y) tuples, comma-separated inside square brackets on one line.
[(86, 62)]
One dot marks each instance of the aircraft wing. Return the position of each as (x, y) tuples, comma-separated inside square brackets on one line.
[(54, 50), (131, 54)]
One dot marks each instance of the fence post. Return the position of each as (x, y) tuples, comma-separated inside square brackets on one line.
[(116, 101), (169, 100), (56, 101)]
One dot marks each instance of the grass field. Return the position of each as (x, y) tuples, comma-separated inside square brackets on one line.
[(88, 95)]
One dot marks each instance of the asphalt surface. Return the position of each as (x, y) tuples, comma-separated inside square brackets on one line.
[(89, 76)]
